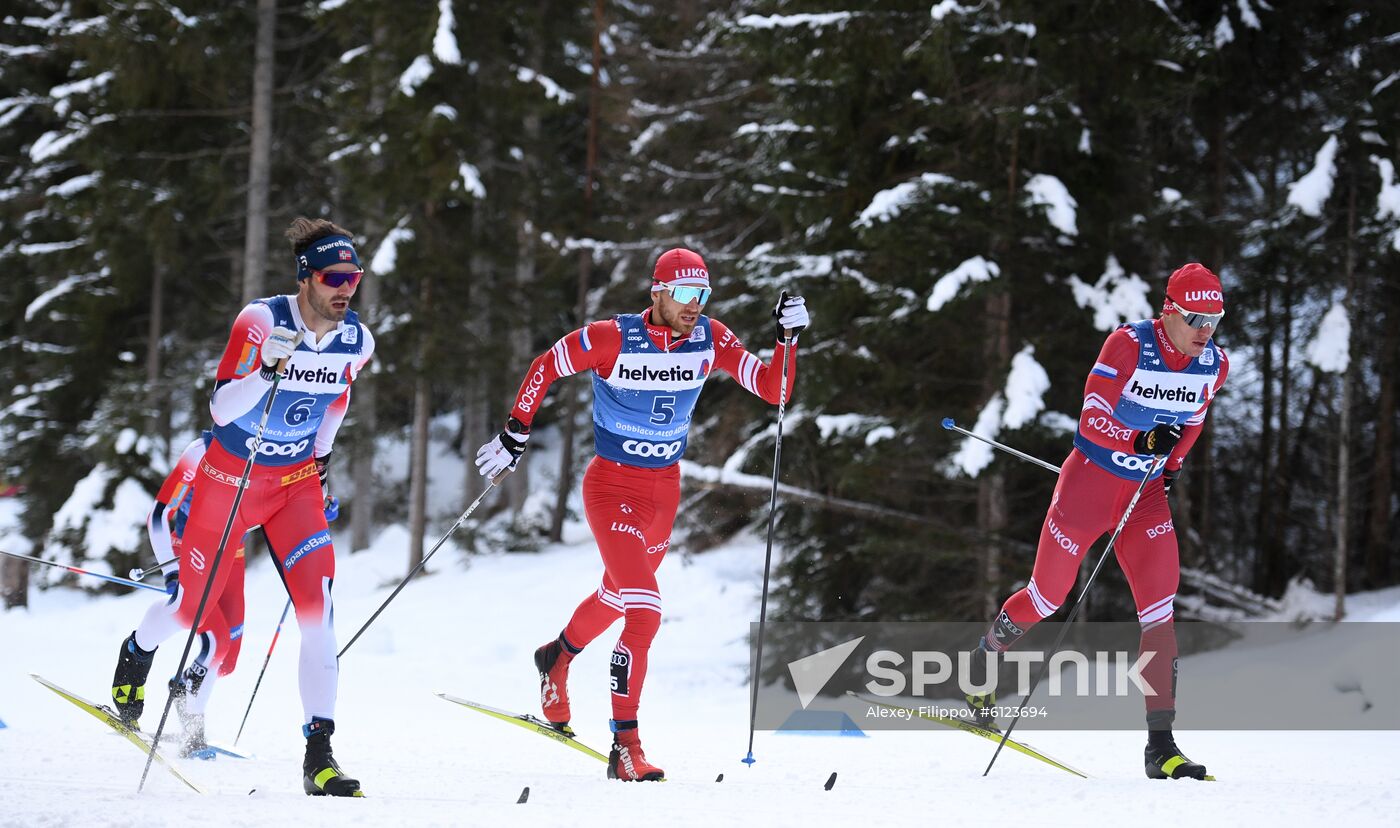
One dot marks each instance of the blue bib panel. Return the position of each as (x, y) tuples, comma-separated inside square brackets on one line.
[(641, 414), (1153, 394), (314, 380)]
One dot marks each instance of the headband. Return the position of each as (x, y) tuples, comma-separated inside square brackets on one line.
[(322, 253)]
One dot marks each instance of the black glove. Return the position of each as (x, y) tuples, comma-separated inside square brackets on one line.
[(1168, 478), (323, 473), (1160, 440)]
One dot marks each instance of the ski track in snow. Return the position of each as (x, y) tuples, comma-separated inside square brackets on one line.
[(471, 631)]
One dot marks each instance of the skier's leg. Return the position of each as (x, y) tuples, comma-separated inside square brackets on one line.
[(210, 507), (1147, 552), (300, 542), (1080, 512), (638, 588), (219, 653)]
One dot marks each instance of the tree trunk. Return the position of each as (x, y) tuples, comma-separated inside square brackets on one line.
[(517, 484), (992, 512), (1279, 486), (477, 424), (1343, 519), (260, 158), (1266, 562), (157, 403), (418, 452), (14, 583), (366, 394), (1379, 539), (569, 413)]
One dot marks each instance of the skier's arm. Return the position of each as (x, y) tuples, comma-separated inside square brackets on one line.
[(160, 523), (335, 412), (748, 370), (593, 347), (1197, 422), (238, 383), (1102, 390)]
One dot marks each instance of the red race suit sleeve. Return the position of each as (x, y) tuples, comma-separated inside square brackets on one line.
[(748, 370), (592, 347)]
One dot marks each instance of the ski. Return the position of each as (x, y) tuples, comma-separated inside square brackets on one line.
[(106, 715), (959, 724), (530, 723)]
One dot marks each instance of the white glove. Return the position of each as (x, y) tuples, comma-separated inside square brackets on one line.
[(791, 315), (500, 454), (279, 345)]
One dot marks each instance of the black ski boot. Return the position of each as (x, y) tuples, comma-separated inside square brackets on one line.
[(184, 689), (129, 681), (982, 704), (321, 776), (1164, 760)]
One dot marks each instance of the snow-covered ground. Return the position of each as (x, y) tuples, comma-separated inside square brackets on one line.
[(471, 631)]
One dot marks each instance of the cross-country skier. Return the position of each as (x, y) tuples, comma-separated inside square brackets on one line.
[(324, 346), (1145, 398), (648, 369), (166, 525)]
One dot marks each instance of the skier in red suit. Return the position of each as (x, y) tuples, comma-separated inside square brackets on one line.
[(647, 370), (1145, 399)]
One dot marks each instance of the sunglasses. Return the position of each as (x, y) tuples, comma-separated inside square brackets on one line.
[(338, 278), (685, 294), (1198, 320)]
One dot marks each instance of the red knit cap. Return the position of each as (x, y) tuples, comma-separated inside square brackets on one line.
[(1196, 289), (680, 267)]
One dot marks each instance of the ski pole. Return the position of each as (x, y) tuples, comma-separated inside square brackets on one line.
[(114, 579), (219, 553), (1074, 611), (139, 574), (768, 553), (263, 671), (422, 563), (952, 426)]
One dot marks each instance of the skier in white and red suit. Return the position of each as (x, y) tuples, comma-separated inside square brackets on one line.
[(318, 346), (648, 369), (1145, 398)]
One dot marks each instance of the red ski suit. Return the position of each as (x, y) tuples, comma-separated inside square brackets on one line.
[(1088, 503), (631, 508)]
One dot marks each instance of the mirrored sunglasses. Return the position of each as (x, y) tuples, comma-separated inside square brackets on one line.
[(685, 294), (1198, 320), (338, 278)]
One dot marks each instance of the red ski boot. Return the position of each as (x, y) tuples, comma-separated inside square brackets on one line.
[(626, 761), (552, 661)]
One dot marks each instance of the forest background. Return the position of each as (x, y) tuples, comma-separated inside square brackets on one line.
[(970, 196)]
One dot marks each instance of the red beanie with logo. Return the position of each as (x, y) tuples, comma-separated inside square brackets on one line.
[(679, 266), (1195, 289)]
